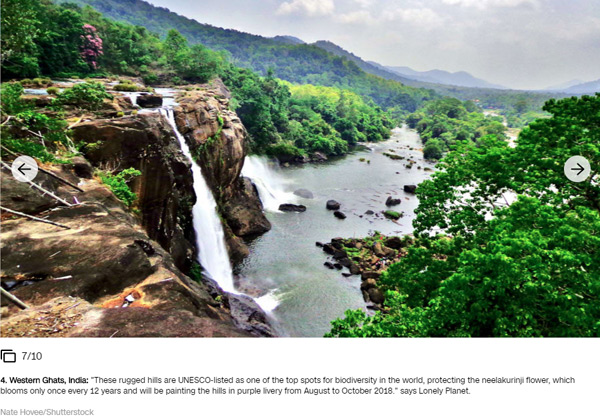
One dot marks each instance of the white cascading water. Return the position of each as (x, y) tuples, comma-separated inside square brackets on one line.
[(270, 185), (210, 238)]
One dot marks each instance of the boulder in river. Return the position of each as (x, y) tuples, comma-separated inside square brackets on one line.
[(410, 188), (304, 193), (340, 215), (390, 202), (370, 274), (292, 208), (149, 101), (333, 205), (318, 156), (393, 215), (328, 248), (354, 269), (368, 284), (369, 212), (376, 295), (394, 243), (328, 265)]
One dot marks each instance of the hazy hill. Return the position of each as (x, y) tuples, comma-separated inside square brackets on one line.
[(460, 78), (583, 88)]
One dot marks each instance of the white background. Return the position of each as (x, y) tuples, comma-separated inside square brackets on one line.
[(299, 358)]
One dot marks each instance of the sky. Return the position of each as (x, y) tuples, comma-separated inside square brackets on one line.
[(521, 44)]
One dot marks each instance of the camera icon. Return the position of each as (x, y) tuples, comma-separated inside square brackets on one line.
[(8, 355)]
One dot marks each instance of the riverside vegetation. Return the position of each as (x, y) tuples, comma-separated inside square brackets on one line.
[(525, 269)]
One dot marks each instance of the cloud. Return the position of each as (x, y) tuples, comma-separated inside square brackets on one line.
[(484, 4), (419, 17), (359, 16), (307, 7), (365, 3)]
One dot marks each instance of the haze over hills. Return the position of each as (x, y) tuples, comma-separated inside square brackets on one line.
[(577, 87), (565, 85), (321, 63), (460, 78)]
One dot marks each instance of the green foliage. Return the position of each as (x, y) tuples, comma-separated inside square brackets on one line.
[(84, 95), (118, 184), (447, 121), (287, 121), (301, 63), (393, 215), (54, 91), (128, 87), (527, 269), (196, 273), (12, 103), (21, 133), (433, 150), (19, 32), (30, 148)]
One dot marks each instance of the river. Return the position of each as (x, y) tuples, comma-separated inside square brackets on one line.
[(286, 261)]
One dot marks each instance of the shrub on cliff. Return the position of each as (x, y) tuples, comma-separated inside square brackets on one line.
[(84, 95), (118, 184)]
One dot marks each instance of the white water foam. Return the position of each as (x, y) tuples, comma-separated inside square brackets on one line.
[(268, 302), (273, 189)]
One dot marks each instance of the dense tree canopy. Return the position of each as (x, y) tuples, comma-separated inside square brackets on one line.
[(525, 269), (444, 122), (288, 121)]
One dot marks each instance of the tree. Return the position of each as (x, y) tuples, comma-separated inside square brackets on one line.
[(91, 46), (20, 29), (175, 47)]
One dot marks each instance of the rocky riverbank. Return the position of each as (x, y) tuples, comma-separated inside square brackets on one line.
[(368, 257)]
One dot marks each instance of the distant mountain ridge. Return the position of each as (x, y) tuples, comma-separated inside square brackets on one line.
[(583, 88), (460, 78)]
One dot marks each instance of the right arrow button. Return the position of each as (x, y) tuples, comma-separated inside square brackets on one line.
[(577, 169)]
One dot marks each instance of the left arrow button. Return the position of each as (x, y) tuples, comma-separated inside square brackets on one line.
[(24, 169)]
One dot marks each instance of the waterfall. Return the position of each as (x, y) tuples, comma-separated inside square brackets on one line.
[(270, 184), (210, 238)]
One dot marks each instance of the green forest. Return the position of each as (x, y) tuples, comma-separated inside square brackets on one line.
[(283, 120)]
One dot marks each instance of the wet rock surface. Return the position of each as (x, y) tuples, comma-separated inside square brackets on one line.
[(332, 205), (149, 101), (292, 208)]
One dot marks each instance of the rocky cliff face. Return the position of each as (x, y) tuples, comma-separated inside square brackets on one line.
[(103, 276), (218, 139), (165, 190), (114, 272)]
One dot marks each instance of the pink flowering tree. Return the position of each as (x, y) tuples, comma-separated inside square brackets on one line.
[(91, 47)]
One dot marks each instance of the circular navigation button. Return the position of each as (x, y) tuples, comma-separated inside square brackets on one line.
[(24, 169), (577, 169)]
